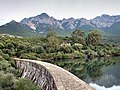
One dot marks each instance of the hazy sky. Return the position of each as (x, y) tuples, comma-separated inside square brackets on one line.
[(19, 9)]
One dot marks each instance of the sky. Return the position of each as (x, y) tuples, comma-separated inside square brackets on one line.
[(19, 9)]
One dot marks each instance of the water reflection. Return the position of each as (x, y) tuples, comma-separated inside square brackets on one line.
[(102, 71)]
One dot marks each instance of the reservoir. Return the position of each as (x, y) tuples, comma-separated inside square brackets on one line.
[(101, 73)]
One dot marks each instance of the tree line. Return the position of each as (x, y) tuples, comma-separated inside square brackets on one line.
[(78, 45)]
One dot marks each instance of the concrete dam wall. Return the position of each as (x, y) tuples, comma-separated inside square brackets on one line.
[(49, 76)]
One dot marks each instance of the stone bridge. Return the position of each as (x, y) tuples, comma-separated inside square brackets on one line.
[(49, 76)]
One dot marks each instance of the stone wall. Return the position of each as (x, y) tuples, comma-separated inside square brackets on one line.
[(37, 73), (49, 76)]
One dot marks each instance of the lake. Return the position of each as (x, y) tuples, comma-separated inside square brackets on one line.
[(100, 73)]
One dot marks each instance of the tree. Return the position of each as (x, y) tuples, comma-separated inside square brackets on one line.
[(52, 38), (94, 37), (78, 36), (40, 49)]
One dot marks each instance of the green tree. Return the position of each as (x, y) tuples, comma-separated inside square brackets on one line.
[(94, 37), (78, 36), (40, 49), (52, 38)]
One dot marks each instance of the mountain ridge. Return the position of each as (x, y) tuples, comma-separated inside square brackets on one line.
[(41, 23), (17, 29), (100, 22)]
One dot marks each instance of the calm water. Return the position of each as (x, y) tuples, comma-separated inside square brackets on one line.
[(100, 73)]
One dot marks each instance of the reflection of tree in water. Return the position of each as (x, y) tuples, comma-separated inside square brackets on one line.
[(84, 68), (79, 70), (91, 68)]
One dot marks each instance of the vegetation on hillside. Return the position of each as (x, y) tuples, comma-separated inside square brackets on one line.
[(17, 29), (10, 77), (78, 45)]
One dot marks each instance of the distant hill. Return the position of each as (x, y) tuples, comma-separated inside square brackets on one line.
[(87, 28), (18, 29), (114, 29)]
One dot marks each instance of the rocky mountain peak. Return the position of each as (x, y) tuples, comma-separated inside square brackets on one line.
[(13, 21), (41, 23), (44, 21), (105, 21), (43, 15), (105, 15)]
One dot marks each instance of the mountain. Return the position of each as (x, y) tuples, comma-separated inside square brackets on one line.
[(40, 24), (114, 29), (104, 21), (18, 29), (71, 23), (43, 22)]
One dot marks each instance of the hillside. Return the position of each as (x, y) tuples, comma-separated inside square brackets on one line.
[(17, 29), (114, 29)]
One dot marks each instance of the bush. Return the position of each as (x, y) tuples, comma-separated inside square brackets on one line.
[(90, 53), (66, 48), (40, 49), (7, 81), (77, 46), (13, 71), (24, 84), (28, 56), (101, 53), (4, 65), (1, 58), (9, 46), (5, 56), (1, 45)]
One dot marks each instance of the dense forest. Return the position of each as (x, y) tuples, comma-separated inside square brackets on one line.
[(50, 47)]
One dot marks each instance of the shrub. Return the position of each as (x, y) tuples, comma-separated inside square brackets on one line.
[(1, 45), (77, 46), (28, 56), (4, 65), (24, 84), (7, 81), (101, 53)]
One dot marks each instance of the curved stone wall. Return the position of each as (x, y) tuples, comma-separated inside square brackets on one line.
[(49, 76), (38, 74)]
